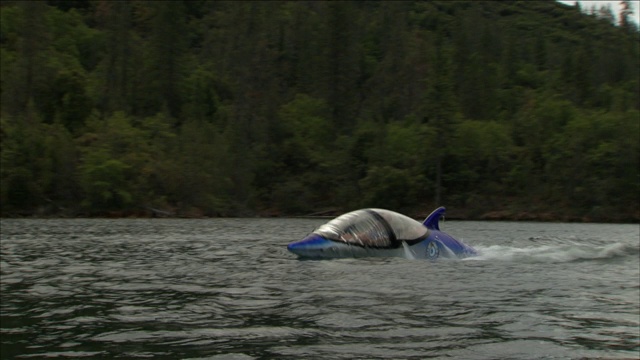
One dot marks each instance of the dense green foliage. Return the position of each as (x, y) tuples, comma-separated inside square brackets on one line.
[(240, 108)]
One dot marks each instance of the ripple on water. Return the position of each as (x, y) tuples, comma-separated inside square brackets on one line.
[(228, 289)]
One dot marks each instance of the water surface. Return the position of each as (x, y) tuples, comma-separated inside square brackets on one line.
[(228, 289)]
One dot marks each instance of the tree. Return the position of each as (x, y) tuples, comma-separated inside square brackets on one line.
[(606, 13), (117, 162), (308, 136), (196, 177), (486, 149), (167, 55), (440, 107), (228, 108), (626, 11), (117, 67), (32, 49), (343, 63), (37, 166)]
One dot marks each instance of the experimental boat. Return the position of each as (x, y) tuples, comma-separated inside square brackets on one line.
[(381, 233)]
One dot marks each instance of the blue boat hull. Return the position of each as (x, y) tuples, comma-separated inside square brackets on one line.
[(431, 248)]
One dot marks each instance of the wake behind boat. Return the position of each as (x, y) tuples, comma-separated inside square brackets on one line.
[(381, 233)]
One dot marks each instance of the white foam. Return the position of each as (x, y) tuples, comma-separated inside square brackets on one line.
[(554, 253), (408, 253)]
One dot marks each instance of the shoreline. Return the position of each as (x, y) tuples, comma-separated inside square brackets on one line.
[(456, 214)]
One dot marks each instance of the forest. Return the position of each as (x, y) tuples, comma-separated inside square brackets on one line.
[(519, 110)]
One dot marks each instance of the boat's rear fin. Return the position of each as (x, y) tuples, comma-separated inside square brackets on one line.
[(431, 222)]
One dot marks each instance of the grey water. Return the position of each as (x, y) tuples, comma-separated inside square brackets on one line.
[(228, 289)]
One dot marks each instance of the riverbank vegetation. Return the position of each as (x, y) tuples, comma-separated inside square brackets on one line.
[(496, 109)]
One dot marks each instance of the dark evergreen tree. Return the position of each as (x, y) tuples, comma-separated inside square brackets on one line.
[(228, 108)]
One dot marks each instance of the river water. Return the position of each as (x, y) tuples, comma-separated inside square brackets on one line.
[(228, 289)]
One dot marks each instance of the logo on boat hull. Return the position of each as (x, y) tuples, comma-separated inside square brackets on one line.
[(432, 250)]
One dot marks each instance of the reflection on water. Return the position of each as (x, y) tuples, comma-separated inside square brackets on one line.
[(228, 288)]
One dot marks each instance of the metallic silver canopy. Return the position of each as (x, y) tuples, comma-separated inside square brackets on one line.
[(376, 228)]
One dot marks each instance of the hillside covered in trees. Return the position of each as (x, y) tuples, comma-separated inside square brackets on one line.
[(495, 109)]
